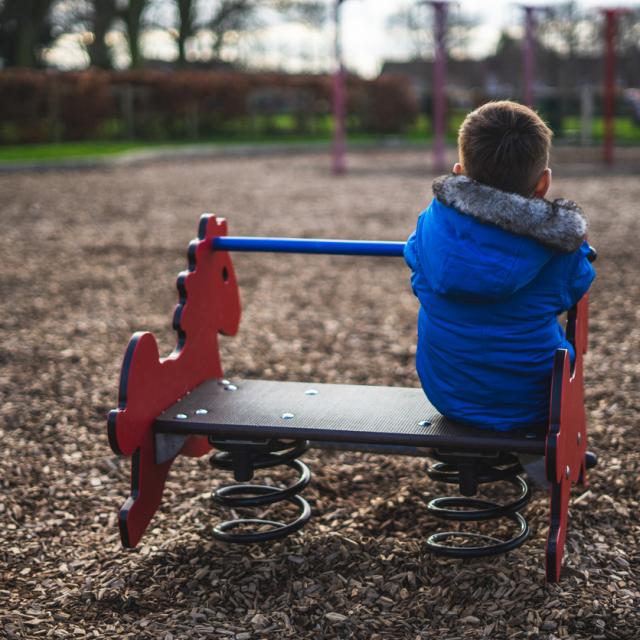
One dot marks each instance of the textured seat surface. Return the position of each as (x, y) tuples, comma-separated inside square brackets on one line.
[(256, 409)]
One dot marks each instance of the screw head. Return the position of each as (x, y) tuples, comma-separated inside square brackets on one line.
[(311, 392), (201, 412), (568, 471), (287, 416), (424, 423), (579, 437), (231, 387), (181, 416)]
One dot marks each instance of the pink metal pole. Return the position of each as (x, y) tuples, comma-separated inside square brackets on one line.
[(609, 82), (439, 85), (339, 101), (529, 60)]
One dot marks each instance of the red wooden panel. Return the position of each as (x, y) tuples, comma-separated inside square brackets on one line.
[(567, 439), (209, 303)]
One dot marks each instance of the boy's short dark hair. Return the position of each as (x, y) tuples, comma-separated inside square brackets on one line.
[(505, 145)]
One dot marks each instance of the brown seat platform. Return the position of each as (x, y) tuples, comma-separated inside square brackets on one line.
[(357, 414)]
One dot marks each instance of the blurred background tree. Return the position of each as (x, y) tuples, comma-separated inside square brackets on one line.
[(91, 20), (101, 14), (222, 17), (572, 34), (629, 44), (568, 29), (131, 13), (28, 27), (413, 22), (25, 30)]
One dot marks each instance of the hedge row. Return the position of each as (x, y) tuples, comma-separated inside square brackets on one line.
[(41, 106)]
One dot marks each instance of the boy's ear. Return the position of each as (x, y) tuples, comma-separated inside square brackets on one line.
[(457, 168), (543, 184)]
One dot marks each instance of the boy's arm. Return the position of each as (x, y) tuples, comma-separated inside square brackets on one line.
[(580, 275), (412, 259), (410, 254)]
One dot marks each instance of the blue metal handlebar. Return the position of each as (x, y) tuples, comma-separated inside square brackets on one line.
[(309, 245)]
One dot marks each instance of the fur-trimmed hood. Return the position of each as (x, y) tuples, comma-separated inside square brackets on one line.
[(477, 243), (559, 225)]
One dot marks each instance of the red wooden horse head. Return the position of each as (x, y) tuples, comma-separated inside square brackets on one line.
[(209, 304)]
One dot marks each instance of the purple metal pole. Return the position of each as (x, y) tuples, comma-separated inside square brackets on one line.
[(439, 83), (529, 61), (609, 82), (339, 100)]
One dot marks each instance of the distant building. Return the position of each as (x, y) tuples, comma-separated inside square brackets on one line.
[(500, 75)]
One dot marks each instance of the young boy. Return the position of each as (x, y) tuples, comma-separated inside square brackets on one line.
[(493, 263)]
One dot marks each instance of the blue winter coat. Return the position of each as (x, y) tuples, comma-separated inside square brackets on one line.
[(489, 300)]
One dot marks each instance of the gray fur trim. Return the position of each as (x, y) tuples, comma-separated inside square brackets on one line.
[(560, 225)]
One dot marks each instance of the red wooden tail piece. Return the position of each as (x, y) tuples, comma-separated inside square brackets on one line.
[(567, 437), (209, 303)]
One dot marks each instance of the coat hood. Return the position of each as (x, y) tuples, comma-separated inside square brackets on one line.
[(478, 243), (559, 225)]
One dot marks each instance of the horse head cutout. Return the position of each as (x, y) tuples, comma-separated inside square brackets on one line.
[(209, 303)]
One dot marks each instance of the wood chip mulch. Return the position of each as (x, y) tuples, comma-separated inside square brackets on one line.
[(90, 257)]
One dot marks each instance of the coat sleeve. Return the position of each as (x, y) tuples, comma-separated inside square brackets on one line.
[(410, 254), (580, 275), (412, 258)]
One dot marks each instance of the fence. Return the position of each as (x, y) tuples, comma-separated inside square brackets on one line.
[(148, 105), (191, 105)]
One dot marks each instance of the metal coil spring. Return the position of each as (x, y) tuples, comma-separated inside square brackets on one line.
[(468, 509), (243, 458)]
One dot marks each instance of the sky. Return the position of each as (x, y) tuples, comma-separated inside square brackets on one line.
[(367, 37)]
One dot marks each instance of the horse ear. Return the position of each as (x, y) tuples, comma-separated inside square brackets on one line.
[(211, 226)]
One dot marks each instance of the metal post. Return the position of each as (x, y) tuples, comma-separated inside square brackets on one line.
[(529, 60), (439, 86), (339, 100), (529, 52), (128, 110), (586, 114), (609, 82)]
